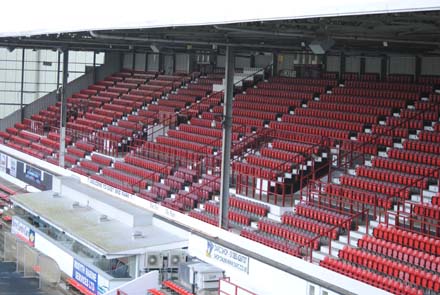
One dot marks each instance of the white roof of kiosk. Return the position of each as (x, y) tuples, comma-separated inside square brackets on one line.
[(113, 237), (25, 18)]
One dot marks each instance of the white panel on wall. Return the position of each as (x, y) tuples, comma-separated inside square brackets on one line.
[(402, 65), (153, 62), (140, 61), (372, 64), (182, 62), (430, 65), (168, 64), (333, 63), (242, 62), (221, 61), (128, 61), (262, 61), (352, 64)]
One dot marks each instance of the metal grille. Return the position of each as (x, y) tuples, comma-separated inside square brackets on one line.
[(10, 247), (50, 273)]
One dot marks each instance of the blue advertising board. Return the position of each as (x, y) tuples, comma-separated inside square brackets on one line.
[(85, 276)]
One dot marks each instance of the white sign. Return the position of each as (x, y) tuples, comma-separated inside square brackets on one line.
[(227, 256), (23, 231), (108, 188), (12, 165), (3, 159)]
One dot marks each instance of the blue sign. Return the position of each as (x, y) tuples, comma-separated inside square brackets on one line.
[(85, 276)]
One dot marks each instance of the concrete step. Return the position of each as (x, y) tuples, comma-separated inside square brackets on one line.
[(353, 240), (433, 188), (363, 229), (320, 255)]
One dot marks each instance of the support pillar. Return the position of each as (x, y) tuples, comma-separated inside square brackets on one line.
[(63, 117), (174, 63), (341, 64), (274, 64), (22, 85), (94, 67), (58, 75), (161, 62), (133, 60), (146, 61), (252, 61), (227, 139)]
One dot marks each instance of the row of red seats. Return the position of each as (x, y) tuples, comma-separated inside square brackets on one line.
[(406, 167), (148, 164), (118, 108), (368, 277), (42, 148), (286, 156), (342, 116), (33, 152), (81, 128), (386, 188), (311, 225), (291, 87), (271, 163), (205, 131), (402, 95), (414, 156), (391, 268), (247, 121), (195, 86), (176, 104), (161, 190), (29, 135), (430, 136), (402, 253), (155, 292), (293, 95), (191, 137), (249, 206), (427, 210), (273, 108), (192, 92), (118, 90), (362, 100), (233, 214), (359, 147), (134, 126), (125, 132), (289, 233), (405, 123), (170, 152), (203, 217), (321, 131), (263, 115), (108, 113), (436, 200), (141, 120), (390, 131), (175, 182), (273, 242), (304, 81), (128, 103), (255, 170), (350, 108), (98, 118), (402, 78), (90, 165), (77, 152), (327, 123), (261, 100), (415, 114), (138, 98), (296, 147), (138, 171), (422, 146), (381, 140), (323, 215), (408, 239), (102, 160), (392, 176), (361, 77), (426, 105), (176, 288), (389, 86), (125, 177), (359, 195)]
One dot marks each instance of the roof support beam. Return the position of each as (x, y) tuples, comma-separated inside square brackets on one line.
[(227, 138), (63, 119)]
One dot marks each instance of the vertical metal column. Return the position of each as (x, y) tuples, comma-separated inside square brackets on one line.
[(94, 67), (341, 64), (274, 64), (227, 138), (133, 60), (58, 75), (146, 61), (22, 85), (174, 63), (63, 116), (383, 67), (362, 65)]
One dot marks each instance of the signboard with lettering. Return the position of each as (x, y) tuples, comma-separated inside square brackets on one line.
[(23, 231), (85, 276), (227, 256)]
